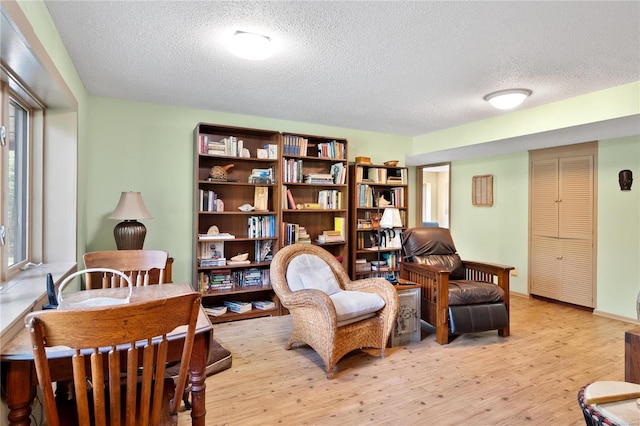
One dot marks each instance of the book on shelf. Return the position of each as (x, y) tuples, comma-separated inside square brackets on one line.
[(261, 198), (211, 249), (220, 236), (238, 306), (291, 203), (264, 304), (339, 225), (215, 311)]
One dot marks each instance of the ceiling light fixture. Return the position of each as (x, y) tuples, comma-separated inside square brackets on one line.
[(507, 99), (251, 46)]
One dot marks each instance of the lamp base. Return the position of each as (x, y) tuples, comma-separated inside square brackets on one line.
[(129, 235)]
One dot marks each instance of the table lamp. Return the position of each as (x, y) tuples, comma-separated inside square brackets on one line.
[(390, 220), (129, 234)]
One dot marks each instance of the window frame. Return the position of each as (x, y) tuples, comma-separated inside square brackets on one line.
[(30, 105)]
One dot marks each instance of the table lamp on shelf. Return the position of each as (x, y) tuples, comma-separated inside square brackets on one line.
[(129, 234), (390, 220)]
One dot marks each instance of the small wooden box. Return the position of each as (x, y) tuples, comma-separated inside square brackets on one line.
[(363, 160)]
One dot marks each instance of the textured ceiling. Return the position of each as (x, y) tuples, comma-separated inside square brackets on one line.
[(405, 68)]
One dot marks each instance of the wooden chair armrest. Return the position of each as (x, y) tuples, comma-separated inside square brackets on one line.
[(491, 268)]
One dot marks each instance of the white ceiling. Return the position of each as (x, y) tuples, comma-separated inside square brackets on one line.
[(405, 68)]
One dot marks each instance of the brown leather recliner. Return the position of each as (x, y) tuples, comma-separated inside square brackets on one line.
[(458, 296)]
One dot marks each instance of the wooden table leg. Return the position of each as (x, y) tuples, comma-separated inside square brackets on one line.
[(197, 367), (20, 392)]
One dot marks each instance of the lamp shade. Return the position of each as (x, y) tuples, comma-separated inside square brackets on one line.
[(130, 207), (129, 234), (391, 218)]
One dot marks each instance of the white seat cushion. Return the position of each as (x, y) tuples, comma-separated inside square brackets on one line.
[(307, 271), (352, 305)]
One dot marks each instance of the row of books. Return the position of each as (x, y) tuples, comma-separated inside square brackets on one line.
[(261, 227), (330, 199), (381, 175), (293, 233), (333, 149), (227, 279), (209, 201), (292, 170), (229, 146), (295, 145), (368, 198)]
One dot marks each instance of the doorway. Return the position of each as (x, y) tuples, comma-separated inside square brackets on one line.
[(433, 197)]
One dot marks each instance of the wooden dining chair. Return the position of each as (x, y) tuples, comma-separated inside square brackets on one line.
[(102, 338), (136, 264)]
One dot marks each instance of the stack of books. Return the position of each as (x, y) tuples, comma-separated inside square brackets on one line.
[(362, 265), (332, 236), (303, 236), (261, 176), (221, 261), (264, 304), (220, 280), (319, 178), (237, 306)]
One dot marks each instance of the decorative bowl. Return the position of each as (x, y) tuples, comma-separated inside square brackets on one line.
[(391, 163)]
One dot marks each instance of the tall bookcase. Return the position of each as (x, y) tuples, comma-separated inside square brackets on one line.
[(373, 251), (236, 167), (315, 192), (299, 186)]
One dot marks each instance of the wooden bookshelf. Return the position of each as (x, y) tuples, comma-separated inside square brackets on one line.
[(369, 182), (247, 150), (315, 191), (319, 206)]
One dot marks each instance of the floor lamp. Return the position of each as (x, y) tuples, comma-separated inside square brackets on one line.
[(129, 234)]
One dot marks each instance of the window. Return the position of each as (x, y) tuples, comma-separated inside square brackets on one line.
[(15, 178)]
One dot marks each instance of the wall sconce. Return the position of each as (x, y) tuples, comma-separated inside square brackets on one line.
[(129, 234), (625, 178)]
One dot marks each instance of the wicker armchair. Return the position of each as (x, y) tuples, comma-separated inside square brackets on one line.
[(316, 320)]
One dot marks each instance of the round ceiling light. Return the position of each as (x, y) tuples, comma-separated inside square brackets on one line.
[(507, 99), (251, 46)]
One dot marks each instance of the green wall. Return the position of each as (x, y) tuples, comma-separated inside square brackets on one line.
[(618, 273), (495, 234)]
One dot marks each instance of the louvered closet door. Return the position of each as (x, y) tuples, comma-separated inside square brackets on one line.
[(576, 258), (545, 267), (575, 192), (544, 198)]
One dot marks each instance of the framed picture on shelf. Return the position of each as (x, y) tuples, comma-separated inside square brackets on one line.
[(211, 249), (264, 251)]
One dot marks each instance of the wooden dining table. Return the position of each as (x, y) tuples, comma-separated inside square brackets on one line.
[(16, 357)]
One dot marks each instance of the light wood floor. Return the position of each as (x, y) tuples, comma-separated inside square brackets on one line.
[(531, 377)]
